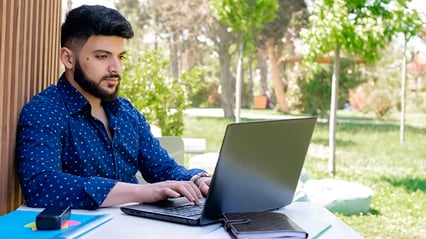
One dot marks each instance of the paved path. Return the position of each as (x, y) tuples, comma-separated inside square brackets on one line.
[(218, 112), (248, 114)]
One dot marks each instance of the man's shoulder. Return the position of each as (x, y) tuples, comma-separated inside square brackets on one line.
[(51, 92), (45, 103), (124, 101), (129, 109), (126, 105), (49, 96)]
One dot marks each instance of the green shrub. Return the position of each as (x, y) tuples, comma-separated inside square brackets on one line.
[(380, 102), (201, 97), (160, 98), (315, 88), (418, 100), (316, 93)]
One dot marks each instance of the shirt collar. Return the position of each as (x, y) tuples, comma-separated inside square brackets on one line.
[(76, 102)]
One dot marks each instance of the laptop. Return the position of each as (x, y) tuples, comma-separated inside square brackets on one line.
[(258, 169)]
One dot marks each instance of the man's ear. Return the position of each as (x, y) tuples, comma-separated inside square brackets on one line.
[(67, 58)]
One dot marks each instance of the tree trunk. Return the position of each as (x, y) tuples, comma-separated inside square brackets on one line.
[(403, 90), (333, 113), (226, 83), (223, 40), (174, 56), (279, 87), (239, 82), (263, 69), (248, 100)]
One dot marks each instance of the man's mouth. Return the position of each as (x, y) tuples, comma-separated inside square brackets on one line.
[(112, 79)]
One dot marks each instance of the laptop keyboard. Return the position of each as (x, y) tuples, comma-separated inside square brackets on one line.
[(187, 210)]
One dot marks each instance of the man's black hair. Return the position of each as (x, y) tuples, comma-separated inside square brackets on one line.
[(85, 21)]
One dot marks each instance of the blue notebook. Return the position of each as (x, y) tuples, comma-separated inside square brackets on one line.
[(21, 224)]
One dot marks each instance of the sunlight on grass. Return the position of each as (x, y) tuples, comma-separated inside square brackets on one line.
[(368, 152)]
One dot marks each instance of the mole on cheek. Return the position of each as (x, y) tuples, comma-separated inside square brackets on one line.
[(87, 58)]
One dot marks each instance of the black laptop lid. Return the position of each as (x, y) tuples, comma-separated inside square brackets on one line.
[(259, 165)]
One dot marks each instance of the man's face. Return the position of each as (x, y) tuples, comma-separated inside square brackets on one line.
[(99, 66)]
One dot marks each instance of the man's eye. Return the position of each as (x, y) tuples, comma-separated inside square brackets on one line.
[(122, 57), (101, 56)]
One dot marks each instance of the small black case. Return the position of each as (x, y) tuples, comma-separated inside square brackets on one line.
[(52, 217)]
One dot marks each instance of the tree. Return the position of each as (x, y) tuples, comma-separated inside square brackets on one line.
[(212, 31), (175, 23), (179, 22), (246, 19), (191, 21), (223, 40), (290, 18), (132, 10), (356, 28), (408, 22)]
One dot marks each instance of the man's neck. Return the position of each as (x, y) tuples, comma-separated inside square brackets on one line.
[(99, 113)]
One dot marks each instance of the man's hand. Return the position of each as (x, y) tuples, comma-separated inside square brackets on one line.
[(171, 189), (149, 193), (203, 184)]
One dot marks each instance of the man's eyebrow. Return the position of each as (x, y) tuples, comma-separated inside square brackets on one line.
[(108, 52), (102, 51)]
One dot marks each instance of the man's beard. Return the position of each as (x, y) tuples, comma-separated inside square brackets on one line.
[(92, 87)]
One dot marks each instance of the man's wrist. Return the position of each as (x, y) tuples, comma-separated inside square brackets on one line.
[(195, 178)]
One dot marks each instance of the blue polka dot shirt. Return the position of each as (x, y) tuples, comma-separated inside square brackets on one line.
[(65, 156)]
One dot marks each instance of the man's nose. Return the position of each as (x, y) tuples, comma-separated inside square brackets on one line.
[(115, 65)]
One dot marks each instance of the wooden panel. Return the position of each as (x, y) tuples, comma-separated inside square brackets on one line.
[(29, 48)]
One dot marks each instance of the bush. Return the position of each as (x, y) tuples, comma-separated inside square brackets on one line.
[(316, 94), (207, 96), (161, 99), (380, 102), (315, 89)]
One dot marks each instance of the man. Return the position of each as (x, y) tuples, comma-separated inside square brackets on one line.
[(79, 144)]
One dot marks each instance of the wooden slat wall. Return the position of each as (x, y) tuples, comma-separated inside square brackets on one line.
[(29, 48)]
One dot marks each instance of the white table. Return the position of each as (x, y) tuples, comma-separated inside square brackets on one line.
[(312, 217)]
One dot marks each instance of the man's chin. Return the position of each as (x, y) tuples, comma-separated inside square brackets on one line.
[(109, 98), (113, 95)]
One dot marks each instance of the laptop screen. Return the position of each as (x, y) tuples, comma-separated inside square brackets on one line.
[(259, 165)]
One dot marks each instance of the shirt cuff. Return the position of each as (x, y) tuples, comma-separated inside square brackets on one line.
[(98, 188)]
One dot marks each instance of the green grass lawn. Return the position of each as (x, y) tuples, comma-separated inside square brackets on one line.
[(368, 151)]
